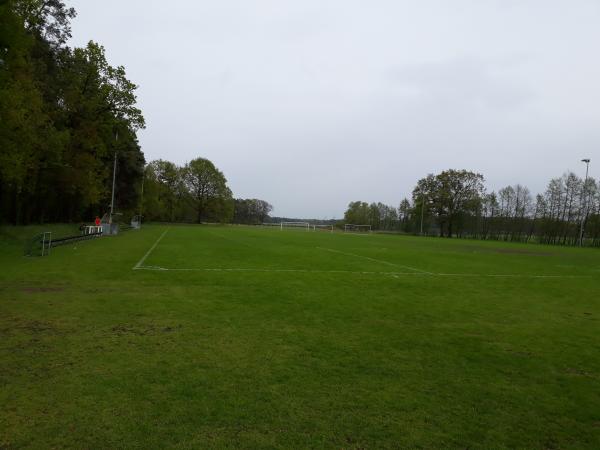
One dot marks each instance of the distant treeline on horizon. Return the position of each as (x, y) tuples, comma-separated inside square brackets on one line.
[(455, 203)]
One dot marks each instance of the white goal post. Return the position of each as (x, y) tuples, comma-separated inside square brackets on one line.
[(295, 225), (322, 227), (349, 227)]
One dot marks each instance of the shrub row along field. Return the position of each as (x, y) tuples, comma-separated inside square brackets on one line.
[(212, 337)]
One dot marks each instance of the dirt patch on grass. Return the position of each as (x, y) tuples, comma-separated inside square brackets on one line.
[(579, 372), (520, 251), (36, 289), (507, 251), (37, 326), (143, 330), (29, 327), (525, 354)]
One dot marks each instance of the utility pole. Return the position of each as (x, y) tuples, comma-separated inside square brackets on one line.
[(584, 209), (112, 202)]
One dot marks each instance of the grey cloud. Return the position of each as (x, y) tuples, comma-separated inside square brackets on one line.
[(462, 80)]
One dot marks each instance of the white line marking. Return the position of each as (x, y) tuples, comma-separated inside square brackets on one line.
[(141, 261), (352, 272), (158, 268), (508, 275), (375, 260)]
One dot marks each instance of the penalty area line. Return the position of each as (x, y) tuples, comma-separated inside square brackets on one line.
[(354, 272), (219, 269), (376, 260), (141, 261), (509, 275)]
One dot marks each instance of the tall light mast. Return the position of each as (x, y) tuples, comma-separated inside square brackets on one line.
[(584, 209), (112, 201)]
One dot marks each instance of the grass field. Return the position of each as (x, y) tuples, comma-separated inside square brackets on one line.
[(238, 337)]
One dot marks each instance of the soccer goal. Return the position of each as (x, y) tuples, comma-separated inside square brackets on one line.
[(322, 227), (40, 245), (349, 227), (304, 225)]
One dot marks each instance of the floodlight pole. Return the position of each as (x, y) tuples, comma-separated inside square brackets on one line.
[(142, 193), (112, 201), (584, 209), (422, 211)]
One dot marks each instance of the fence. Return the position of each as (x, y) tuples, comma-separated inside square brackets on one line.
[(41, 244)]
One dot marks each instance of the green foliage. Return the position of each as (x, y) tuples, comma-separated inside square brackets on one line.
[(61, 111), (211, 197), (197, 192), (64, 114), (378, 215), (455, 203), (450, 195), (357, 213), (163, 183), (251, 211), (47, 19)]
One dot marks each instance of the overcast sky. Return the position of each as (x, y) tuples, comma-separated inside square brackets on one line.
[(310, 104)]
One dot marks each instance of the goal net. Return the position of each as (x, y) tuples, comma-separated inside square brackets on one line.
[(39, 245), (301, 225), (322, 227), (349, 227)]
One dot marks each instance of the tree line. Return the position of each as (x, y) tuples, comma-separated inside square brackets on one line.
[(64, 113), (195, 192), (455, 203)]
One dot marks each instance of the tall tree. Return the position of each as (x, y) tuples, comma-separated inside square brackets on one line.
[(451, 195), (167, 176), (251, 211), (208, 186), (357, 213), (60, 112)]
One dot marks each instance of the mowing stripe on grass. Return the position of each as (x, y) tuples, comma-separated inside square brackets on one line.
[(375, 260), (141, 261)]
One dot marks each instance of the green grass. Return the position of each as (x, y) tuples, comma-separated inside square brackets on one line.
[(314, 340)]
